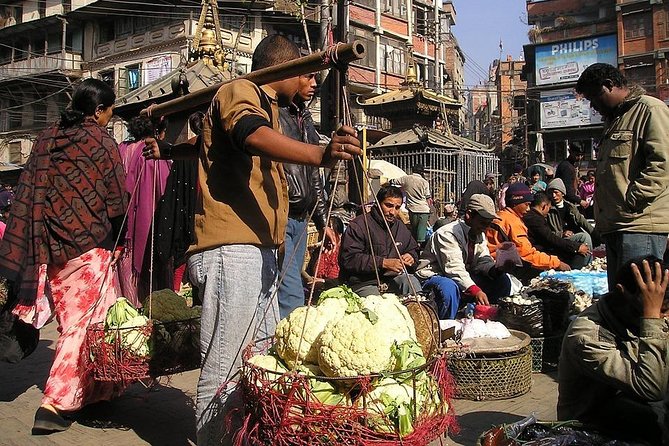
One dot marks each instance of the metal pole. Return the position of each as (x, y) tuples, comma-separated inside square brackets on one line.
[(344, 54)]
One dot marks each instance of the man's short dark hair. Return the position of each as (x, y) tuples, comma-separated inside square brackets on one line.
[(274, 50), (596, 75), (389, 192), (625, 277), (540, 198)]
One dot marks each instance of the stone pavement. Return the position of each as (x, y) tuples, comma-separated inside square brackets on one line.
[(164, 415)]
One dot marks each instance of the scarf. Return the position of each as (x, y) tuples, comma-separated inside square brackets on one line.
[(61, 209)]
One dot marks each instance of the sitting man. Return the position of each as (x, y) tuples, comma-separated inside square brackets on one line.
[(566, 221), (456, 260), (391, 256), (615, 356), (544, 239), (510, 228)]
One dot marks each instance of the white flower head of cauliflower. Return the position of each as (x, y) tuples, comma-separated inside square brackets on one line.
[(353, 345)]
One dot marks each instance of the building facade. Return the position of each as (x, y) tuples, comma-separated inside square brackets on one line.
[(568, 36)]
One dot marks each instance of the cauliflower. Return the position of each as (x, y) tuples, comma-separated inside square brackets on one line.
[(390, 407), (389, 309), (308, 320), (361, 343), (270, 364)]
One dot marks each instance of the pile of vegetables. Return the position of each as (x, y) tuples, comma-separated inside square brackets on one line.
[(346, 336), (126, 326)]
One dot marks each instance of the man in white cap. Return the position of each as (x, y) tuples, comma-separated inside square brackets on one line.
[(456, 260), (566, 221)]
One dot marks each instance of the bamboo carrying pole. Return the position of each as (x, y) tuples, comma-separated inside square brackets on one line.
[(340, 55)]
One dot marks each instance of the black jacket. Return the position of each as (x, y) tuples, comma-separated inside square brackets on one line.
[(305, 187), (574, 221), (356, 263), (543, 238)]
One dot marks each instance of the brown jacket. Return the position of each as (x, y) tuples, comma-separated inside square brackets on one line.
[(243, 197)]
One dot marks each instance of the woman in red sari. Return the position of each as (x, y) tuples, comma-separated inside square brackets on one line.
[(59, 243)]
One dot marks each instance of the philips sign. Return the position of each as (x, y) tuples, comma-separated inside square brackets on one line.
[(564, 62)]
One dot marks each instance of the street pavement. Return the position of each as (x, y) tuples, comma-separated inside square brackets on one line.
[(165, 415)]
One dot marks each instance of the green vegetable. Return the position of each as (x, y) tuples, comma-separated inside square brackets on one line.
[(124, 324), (167, 306), (408, 355), (120, 312), (390, 405)]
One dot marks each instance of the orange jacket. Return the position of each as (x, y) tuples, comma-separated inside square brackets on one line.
[(516, 231)]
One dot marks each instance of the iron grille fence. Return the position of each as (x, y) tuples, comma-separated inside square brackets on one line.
[(447, 170)]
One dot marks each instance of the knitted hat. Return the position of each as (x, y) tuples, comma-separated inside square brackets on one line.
[(518, 193), (557, 184)]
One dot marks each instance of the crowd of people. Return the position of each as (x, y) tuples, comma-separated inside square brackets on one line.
[(83, 209)]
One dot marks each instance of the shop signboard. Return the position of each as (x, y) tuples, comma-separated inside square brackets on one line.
[(562, 62), (157, 68), (561, 108)]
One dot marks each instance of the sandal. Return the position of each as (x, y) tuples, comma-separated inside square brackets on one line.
[(47, 422)]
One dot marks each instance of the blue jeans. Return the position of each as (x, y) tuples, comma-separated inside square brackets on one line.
[(237, 284), (624, 246), (448, 296), (291, 290)]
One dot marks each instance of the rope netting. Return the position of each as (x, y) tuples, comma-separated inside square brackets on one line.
[(282, 409)]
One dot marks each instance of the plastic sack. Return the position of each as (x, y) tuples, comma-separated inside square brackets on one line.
[(555, 306), (507, 252), (525, 318), (595, 283)]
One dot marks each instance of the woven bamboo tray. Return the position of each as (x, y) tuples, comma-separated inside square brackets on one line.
[(493, 369)]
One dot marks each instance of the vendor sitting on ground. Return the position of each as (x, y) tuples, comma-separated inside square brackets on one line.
[(510, 228), (615, 356), (544, 239), (456, 260), (567, 222), (359, 268)]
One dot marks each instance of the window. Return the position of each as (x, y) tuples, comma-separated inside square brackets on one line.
[(54, 42), (134, 77), (38, 47), (642, 73), (395, 7), (20, 50), (637, 25), (106, 32), (368, 39), (15, 153), (122, 28), (423, 21), (5, 55), (41, 8), (14, 112), (369, 3), (234, 23)]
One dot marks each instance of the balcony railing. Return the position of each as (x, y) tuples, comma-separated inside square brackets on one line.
[(40, 64)]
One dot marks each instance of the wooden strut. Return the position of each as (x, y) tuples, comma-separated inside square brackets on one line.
[(341, 55)]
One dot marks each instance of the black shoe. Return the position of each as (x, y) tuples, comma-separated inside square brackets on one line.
[(47, 422)]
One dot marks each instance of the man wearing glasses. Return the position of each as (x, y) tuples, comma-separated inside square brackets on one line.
[(632, 178)]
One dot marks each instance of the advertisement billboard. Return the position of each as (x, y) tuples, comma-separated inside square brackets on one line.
[(562, 62), (561, 108)]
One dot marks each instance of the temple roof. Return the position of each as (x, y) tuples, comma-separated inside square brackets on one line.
[(198, 74), (408, 93), (430, 137)]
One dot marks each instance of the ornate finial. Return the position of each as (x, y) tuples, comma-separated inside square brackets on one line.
[(207, 39)]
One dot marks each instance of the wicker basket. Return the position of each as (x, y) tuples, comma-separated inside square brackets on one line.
[(545, 352), (492, 377), (312, 235), (110, 360), (282, 410)]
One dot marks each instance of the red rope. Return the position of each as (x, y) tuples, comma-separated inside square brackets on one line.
[(282, 410)]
